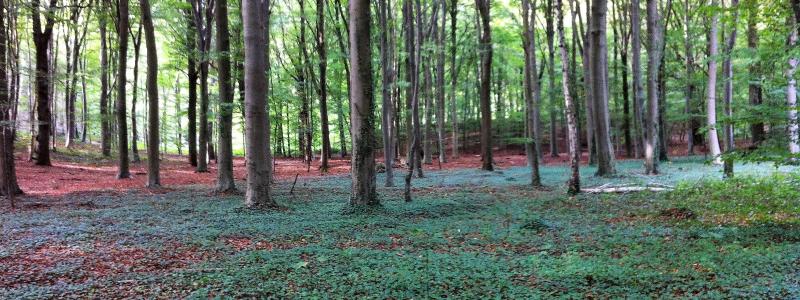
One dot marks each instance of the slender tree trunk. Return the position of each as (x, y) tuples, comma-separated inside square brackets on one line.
[(153, 159), (551, 75), (191, 69), (137, 43), (362, 106), (638, 87), (727, 70), (573, 135), (755, 93), (122, 122), (202, 14), (791, 89), (711, 97), (598, 60), (323, 86), (105, 118), (653, 61), (440, 88), (485, 49), (225, 181), (386, 86), (453, 77), (531, 88), (689, 110)]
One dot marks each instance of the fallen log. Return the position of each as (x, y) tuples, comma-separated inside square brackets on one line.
[(626, 189)]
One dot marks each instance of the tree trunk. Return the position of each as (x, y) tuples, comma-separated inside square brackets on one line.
[(202, 14), (386, 86), (485, 49), (257, 112), (42, 38), (711, 97), (791, 89), (551, 75), (105, 118), (225, 181), (757, 132), (689, 110), (453, 77), (362, 106), (440, 89), (638, 88), (727, 70), (8, 174), (122, 70), (137, 43), (191, 66), (653, 61), (598, 61), (323, 86), (153, 159), (531, 88), (573, 136)]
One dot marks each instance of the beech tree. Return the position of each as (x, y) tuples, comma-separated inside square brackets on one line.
[(485, 48), (257, 117), (122, 78), (362, 106), (653, 61), (711, 88), (153, 138), (225, 181), (598, 67), (532, 92), (573, 136), (42, 37), (8, 174)]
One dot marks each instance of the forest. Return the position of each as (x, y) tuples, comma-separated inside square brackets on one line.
[(469, 149)]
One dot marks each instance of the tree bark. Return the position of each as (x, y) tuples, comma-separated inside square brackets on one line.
[(42, 38), (453, 77), (791, 88), (122, 78), (638, 87), (105, 119), (573, 136), (153, 138), (225, 181), (440, 88), (727, 70), (485, 49), (711, 96), (653, 61), (755, 93), (362, 106), (323, 86), (257, 112), (191, 66), (551, 75), (386, 86), (8, 174), (598, 61), (137, 43), (202, 13), (690, 110), (531, 88)]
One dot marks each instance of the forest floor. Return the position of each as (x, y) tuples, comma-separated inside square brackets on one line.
[(468, 234)]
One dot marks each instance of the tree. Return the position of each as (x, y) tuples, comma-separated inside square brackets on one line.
[(573, 135), (440, 90), (225, 181), (598, 67), (755, 92), (191, 72), (105, 119), (323, 86), (137, 45), (257, 117), (653, 61), (485, 49), (531, 85), (386, 89), (727, 71), (711, 96), (551, 80), (41, 40), (153, 138), (202, 12), (791, 88), (453, 76), (8, 174), (362, 106), (122, 78)]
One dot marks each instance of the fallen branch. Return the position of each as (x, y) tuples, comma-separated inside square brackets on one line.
[(626, 189)]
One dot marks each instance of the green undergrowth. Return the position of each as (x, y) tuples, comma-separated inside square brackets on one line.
[(467, 234)]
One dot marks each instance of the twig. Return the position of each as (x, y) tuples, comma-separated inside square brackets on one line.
[(291, 192)]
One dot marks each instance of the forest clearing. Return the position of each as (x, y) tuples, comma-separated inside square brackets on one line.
[(399, 149)]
